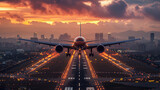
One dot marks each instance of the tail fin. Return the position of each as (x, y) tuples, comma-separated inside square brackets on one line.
[(80, 28)]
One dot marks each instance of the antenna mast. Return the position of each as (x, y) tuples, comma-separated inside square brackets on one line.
[(80, 28)]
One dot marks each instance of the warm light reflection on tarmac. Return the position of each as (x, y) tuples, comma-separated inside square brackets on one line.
[(90, 66), (116, 62), (65, 73), (42, 62), (93, 73)]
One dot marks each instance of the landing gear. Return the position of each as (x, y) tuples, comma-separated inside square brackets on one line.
[(68, 54), (79, 52), (91, 54)]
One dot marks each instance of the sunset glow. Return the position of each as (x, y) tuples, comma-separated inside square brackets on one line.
[(112, 15)]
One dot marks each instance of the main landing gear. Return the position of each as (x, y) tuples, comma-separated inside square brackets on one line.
[(68, 54), (91, 54)]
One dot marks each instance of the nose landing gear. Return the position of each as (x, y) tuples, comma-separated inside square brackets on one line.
[(91, 54), (79, 52)]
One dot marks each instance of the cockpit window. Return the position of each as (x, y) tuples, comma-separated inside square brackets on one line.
[(79, 39)]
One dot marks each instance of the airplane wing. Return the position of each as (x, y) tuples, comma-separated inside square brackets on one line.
[(91, 41), (110, 43), (66, 41), (48, 43)]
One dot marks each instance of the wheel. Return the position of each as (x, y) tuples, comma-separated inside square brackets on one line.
[(91, 54), (68, 54)]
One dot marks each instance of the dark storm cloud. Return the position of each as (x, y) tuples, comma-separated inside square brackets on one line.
[(37, 5), (141, 2), (11, 1), (117, 9), (16, 17), (64, 5), (152, 11)]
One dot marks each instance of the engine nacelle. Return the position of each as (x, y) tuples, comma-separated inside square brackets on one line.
[(100, 48), (59, 48)]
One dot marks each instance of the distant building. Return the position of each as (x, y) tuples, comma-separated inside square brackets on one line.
[(64, 36), (35, 35), (99, 36), (142, 47), (111, 38), (18, 41), (42, 37), (131, 37), (158, 43), (35, 38), (152, 37), (52, 36)]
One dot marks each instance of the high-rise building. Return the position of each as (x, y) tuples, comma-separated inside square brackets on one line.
[(35, 35), (34, 38), (111, 38), (159, 43), (64, 36), (152, 37), (18, 41), (52, 36), (97, 37), (42, 37), (101, 36)]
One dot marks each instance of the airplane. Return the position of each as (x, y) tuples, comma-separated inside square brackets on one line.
[(79, 44)]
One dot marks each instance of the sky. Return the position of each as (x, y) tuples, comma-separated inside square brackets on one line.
[(47, 17)]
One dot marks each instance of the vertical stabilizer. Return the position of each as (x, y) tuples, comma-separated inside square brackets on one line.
[(80, 28)]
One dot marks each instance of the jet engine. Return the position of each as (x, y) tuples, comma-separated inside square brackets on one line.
[(59, 48), (100, 48)]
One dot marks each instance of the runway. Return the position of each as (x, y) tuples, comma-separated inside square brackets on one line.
[(81, 75)]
